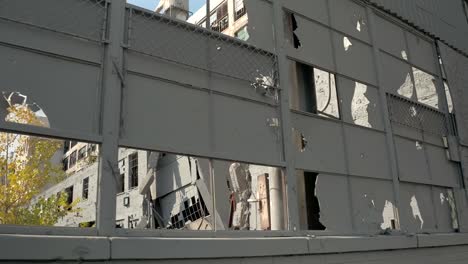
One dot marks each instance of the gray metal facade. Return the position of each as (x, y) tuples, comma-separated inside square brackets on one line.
[(114, 74)]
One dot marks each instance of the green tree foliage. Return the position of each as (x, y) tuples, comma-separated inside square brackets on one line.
[(26, 169)]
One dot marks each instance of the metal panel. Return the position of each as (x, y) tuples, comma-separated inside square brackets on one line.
[(315, 48), (316, 10), (373, 202), (138, 63), (442, 205), (421, 52), (67, 91), (356, 60), (84, 18), (246, 131), (443, 171), (412, 162), (335, 210), (324, 150), (390, 37), (417, 213), (444, 19), (350, 18), (367, 153), (397, 76), (163, 116)]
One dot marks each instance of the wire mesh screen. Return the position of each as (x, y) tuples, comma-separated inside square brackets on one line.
[(187, 44), (408, 113), (83, 18)]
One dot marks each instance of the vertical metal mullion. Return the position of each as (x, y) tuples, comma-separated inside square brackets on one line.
[(342, 123), (285, 116), (391, 149), (110, 119)]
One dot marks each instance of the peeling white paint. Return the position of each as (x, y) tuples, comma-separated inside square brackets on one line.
[(416, 212), (404, 55), (388, 214), (419, 146), (360, 105), (347, 43), (406, 89)]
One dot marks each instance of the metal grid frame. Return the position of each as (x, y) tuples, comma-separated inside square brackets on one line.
[(246, 62), (405, 112)]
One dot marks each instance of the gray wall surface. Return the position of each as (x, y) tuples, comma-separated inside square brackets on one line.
[(126, 77)]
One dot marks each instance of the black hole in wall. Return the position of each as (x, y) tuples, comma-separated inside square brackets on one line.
[(312, 202), (296, 41)]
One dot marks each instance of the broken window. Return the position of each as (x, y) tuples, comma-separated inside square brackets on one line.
[(295, 38), (426, 90), (72, 159), (177, 192), (121, 183), (133, 165), (23, 111), (85, 192), (312, 202), (315, 91), (242, 34)]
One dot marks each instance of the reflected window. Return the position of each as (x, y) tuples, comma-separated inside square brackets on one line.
[(315, 91)]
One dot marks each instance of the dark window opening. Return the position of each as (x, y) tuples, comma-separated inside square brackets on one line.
[(315, 91), (72, 159), (73, 143), (69, 193), (306, 87), (296, 41), (194, 209), (312, 202), (66, 146), (133, 163), (85, 188), (65, 164)]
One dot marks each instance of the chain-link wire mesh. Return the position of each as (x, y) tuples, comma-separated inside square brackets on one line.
[(415, 115), (180, 42), (83, 18)]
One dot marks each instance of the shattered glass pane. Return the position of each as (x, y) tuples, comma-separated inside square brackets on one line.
[(44, 182), (325, 88), (426, 88), (360, 106)]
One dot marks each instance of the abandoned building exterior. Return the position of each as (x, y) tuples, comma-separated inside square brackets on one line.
[(325, 131)]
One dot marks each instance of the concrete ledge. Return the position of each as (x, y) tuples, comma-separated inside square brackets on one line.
[(438, 240), (176, 248), (28, 247), (359, 244)]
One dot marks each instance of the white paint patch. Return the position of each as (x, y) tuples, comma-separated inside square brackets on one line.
[(388, 214), (406, 89), (419, 146), (442, 198), (404, 55), (346, 43), (358, 26), (416, 212), (413, 111)]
